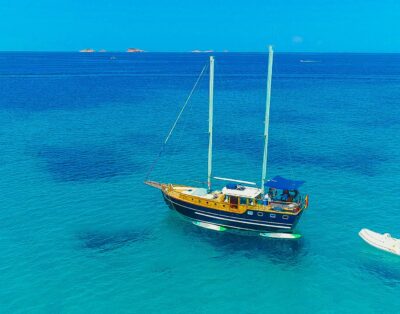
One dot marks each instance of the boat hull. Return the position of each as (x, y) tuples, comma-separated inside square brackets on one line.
[(258, 221), (382, 242)]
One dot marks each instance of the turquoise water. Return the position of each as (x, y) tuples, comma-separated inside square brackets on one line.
[(80, 233)]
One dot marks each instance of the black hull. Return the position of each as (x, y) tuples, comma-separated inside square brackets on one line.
[(258, 221)]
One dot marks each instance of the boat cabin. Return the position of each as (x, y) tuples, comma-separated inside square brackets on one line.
[(237, 195)]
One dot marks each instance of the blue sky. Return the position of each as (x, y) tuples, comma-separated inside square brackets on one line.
[(156, 25)]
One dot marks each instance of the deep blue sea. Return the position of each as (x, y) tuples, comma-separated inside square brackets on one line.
[(81, 233)]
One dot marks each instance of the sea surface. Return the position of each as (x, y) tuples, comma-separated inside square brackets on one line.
[(81, 233)]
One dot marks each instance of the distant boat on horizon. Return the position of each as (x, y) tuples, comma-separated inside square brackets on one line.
[(134, 50), (87, 50), (310, 61), (202, 51)]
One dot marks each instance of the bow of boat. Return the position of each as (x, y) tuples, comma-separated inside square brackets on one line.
[(154, 184)]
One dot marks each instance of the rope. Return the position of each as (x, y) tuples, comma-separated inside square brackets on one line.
[(175, 123), (180, 133), (184, 106)]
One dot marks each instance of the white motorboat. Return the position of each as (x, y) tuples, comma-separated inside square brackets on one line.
[(383, 242)]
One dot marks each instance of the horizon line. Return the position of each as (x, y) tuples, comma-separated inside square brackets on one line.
[(195, 52)]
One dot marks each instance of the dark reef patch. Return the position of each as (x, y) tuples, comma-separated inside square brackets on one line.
[(359, 159), (108, 241), (389, 274), (85, 163)]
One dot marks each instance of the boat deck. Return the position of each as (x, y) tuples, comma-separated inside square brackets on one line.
[(217, 200)]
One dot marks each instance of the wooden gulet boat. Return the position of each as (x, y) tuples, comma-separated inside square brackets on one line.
[(239, 204)]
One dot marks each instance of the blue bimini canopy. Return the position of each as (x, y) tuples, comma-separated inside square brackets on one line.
[(231, 186), (281, 183)]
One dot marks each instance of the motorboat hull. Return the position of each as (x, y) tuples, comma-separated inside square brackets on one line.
[(382, 242)]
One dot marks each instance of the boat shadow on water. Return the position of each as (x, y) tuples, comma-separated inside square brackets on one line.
[(383, 267), (287, 252)]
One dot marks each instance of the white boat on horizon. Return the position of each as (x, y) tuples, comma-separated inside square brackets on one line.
[(310, 61)]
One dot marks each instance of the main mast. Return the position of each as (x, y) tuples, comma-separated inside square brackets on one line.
[(210, 122), (266, 127)]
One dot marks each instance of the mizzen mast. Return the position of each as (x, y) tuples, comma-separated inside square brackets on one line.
[(266, 128), (210, 123)]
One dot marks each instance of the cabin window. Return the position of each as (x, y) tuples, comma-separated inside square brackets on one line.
[(250, 212), (260, 214), (234, 202), (243, 201), (285, 217), (272, 215)]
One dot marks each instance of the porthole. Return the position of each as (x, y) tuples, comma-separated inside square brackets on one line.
[(285, 217), (272, 215), (260, 214), (250, 212)]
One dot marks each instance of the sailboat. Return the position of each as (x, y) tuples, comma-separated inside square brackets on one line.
[(239, 204)]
